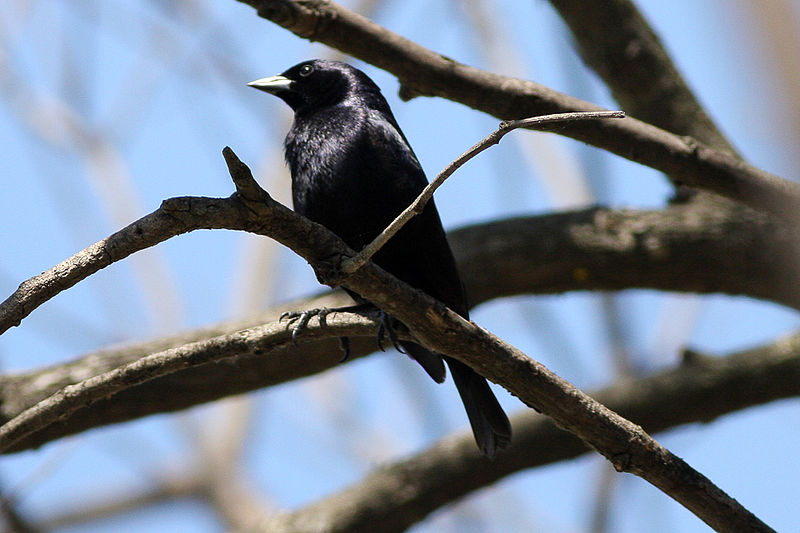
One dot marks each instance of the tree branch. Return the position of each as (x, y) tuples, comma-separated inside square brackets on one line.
[(254, 341), (148, 231), (175, 217), (696, 248), (424, 72)]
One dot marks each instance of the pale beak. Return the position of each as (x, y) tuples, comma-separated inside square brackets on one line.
[(272, 84)]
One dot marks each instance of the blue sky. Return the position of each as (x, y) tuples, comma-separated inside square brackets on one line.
[(107, 108)]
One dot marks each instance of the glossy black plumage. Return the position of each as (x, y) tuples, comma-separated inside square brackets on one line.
[(353, 171)]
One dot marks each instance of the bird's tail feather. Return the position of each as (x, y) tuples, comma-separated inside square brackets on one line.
[(431, 362), (489, 423)]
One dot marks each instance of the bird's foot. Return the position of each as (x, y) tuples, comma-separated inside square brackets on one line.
[(302, 319), (298, 320), (387, 328)]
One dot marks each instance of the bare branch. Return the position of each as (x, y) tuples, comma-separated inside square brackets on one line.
[(257, 340), (144, 233), (175, 217)]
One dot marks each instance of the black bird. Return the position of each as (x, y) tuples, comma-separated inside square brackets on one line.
[(353, 171)]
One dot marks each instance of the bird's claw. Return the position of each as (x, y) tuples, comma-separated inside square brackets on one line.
[(386, 329), (302, 318), (298, 321), (344, 344)]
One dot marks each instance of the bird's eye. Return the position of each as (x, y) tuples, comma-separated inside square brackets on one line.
[(306, 70)]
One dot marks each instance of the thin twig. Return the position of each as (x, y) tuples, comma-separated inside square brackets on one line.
[(351, 265)]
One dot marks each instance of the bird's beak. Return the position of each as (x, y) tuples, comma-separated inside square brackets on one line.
[(272, 84)]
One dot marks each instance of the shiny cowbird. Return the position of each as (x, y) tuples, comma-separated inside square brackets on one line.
[(353, 171)]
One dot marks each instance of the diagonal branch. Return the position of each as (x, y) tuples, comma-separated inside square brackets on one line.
[(175, 216), (423, 72), (148, 231)]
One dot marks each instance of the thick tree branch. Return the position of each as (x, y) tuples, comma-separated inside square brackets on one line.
[(698, 391), (424, 72), (683, 248)]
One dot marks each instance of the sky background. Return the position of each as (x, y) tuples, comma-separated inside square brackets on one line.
[(107, 108)]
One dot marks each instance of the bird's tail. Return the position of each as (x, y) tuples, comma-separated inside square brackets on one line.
[(489, 423), (431, 362)]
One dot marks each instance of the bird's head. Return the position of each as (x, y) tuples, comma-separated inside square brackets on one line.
[(317, 83)]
